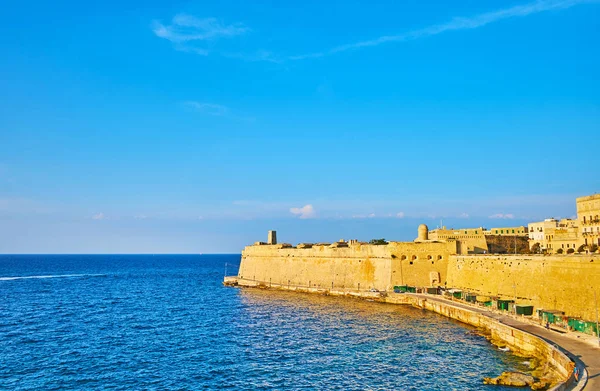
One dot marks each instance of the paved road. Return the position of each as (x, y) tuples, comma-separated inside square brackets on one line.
[(588, 355)]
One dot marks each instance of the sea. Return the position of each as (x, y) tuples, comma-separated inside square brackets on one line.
[(166, 322)]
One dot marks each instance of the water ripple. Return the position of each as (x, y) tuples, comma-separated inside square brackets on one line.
[(167, 323)]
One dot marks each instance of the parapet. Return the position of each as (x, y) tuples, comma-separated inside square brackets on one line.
[(304, 245), (339, 244), (283, 245)]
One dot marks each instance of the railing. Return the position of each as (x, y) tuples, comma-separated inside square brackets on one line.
[(590, 222)]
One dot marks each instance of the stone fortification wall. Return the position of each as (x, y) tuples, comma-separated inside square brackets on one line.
[(357, 266), (363, 267), (565, 283), (420, 264)]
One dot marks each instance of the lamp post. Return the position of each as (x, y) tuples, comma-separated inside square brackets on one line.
[(597, 329), (515, 305)]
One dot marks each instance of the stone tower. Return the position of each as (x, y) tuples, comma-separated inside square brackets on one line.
[(423, 233), (272, 238)]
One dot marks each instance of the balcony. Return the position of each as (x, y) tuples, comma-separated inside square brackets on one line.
[(590, 222)]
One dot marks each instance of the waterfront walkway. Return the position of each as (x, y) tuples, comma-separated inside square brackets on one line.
[(580, 351)]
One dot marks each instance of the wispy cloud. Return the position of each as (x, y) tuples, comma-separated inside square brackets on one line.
[(305, 212), (400, 215), (502, 216), (259, 55), (99, 216), (192, 34), (207, 108), (459, 23)]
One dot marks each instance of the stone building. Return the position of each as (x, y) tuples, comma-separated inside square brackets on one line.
[(508, 231), (544, 232), (469, 240), (588, 215), (566, 234)]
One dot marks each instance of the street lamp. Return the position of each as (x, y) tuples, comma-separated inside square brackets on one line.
[(597, 329)]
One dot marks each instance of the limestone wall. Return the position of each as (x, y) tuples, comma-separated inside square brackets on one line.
[(420, 264), (319, 266), (565, 282), (551, 282), (357, 266)]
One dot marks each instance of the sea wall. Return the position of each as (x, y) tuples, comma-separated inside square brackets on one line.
[(520, 341), (358, 266), (565, 283)]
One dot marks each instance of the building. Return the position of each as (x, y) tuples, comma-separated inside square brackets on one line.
[(561, 239), (543, 232), (469, 240), (510, 231), (569, 235), (588, 216)]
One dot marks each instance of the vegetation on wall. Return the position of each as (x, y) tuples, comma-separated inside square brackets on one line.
[(378, 241)]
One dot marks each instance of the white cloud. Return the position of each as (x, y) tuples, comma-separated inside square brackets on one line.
[(459, 23), (198, 35), (140, 217), (306, 212), (502, 216), (207, 108), (400, 215), (464, 216), (187, 31), (99, 216)]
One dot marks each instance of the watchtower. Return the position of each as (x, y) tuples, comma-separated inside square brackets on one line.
[(272, 238)]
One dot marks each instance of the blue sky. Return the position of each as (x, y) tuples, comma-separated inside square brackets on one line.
[(195, 126)]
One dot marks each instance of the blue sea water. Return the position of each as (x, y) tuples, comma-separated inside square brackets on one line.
[(166, 322)]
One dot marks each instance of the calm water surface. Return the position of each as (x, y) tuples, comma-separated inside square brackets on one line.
[(167, 323)]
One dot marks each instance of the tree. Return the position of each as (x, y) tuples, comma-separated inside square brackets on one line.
[(535, 248), (581, 248), (378, 241), (570, 250), (559, 251)]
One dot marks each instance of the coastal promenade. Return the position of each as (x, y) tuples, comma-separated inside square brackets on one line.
[(581, 350)]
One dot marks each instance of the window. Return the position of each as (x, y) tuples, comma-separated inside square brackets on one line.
[(501, 231), (513, 231)]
